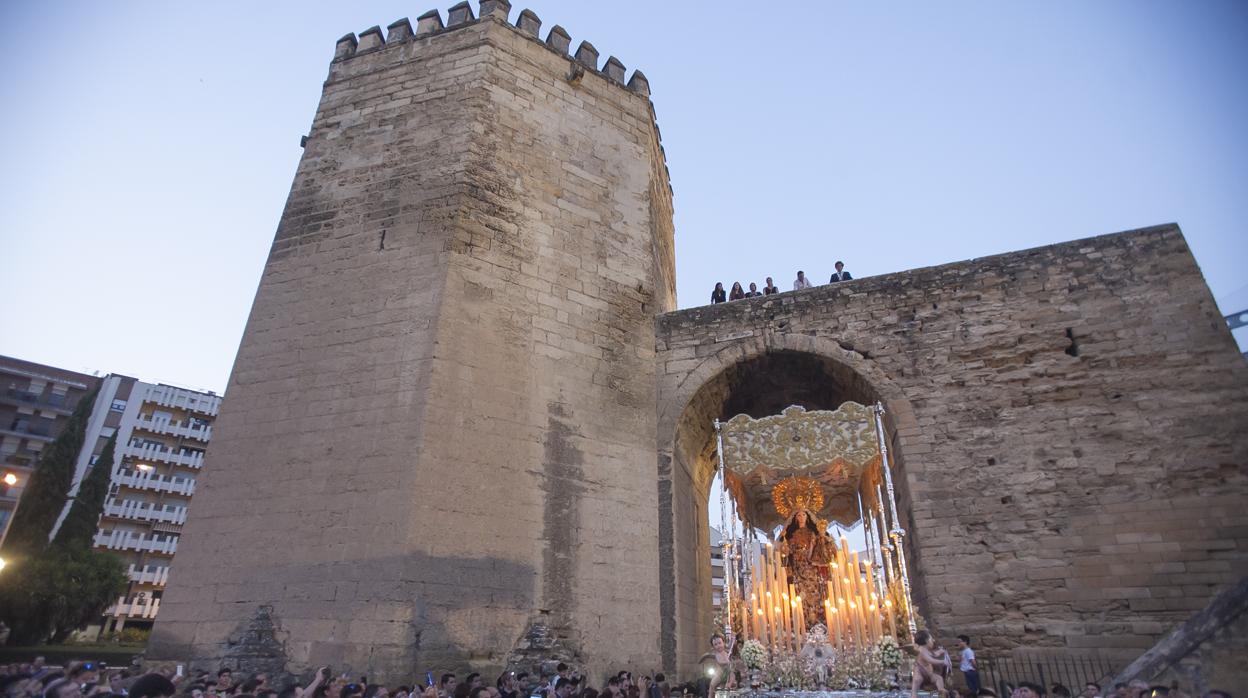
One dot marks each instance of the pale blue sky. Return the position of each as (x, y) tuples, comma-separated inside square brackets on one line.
[(149, 146)]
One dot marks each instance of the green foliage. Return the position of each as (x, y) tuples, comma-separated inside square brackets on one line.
[(45, 494), (78, 528), (57, 592), (133, 636)]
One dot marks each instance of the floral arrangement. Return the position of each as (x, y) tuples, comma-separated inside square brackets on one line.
[(859, 668), (753, 654), (889, 653), (787, 669)]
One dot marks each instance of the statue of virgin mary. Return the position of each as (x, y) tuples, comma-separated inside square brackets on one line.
[(807, 550)]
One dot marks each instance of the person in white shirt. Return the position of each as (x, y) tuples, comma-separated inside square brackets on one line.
[(969, 668), (801, 282)]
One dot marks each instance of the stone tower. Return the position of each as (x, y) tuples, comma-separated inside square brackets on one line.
[(438, 445)]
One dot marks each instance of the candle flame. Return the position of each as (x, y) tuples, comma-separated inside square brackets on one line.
[(760, 611), (888, 602), (851, 605)]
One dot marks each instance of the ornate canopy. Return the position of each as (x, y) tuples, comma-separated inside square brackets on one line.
[(799, 459)]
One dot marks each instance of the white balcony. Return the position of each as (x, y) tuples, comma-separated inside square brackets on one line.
[(155, 575), (168, 426), (145, 607), (155, 483), (145, 511), (129, 540), (183, 399), (154, 452)]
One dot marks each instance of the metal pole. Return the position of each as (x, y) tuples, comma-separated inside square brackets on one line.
[(897, 533), (724, 537), (868, 536), (881, 580)]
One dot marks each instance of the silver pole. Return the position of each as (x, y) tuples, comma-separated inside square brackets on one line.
[(888, 546), (897, 533), (725, 538), (881, 582)]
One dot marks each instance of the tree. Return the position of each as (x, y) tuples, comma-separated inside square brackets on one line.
[(78, 529), (45, 494), (57, 592)]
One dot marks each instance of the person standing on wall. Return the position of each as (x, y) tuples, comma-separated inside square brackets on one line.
[(718, 295), (801, 281), (840, 274)]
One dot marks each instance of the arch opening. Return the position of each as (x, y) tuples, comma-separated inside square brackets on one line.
[(759, 386)]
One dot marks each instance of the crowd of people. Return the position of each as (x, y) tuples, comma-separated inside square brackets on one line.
[(718, 295), (85, 679), (933, 666)]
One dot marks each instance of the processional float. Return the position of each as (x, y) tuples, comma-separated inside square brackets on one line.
[(802, 469)]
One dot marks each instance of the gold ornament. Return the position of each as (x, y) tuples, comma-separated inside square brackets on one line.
[(797, 493)]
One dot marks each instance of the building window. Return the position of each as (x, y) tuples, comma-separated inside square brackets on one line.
[(118, 406)]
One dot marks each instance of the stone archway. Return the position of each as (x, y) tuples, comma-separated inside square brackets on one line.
[(757, 376)]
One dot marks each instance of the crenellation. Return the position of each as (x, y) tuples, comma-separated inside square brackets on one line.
[(614, 69), (399, 30), (559, 40), (529, 23), (371, 39), (345, 48), (429, 23), (460, 13), (587, 55), (498, 9)]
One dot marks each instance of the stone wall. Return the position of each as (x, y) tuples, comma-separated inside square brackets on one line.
[(1209, 651), (1068, 424), (438, 439)]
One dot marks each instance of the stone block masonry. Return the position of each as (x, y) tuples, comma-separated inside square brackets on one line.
[(1069, 423), (439, 436)]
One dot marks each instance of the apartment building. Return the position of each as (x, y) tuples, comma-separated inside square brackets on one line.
[(35, 404), (162, 433)]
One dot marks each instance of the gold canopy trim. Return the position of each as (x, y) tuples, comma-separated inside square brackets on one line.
[(828, 449), (797, 440)]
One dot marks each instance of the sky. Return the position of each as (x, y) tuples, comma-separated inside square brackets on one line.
[(149, 146)]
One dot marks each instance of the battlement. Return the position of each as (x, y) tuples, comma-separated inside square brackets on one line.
[(584, 60)]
